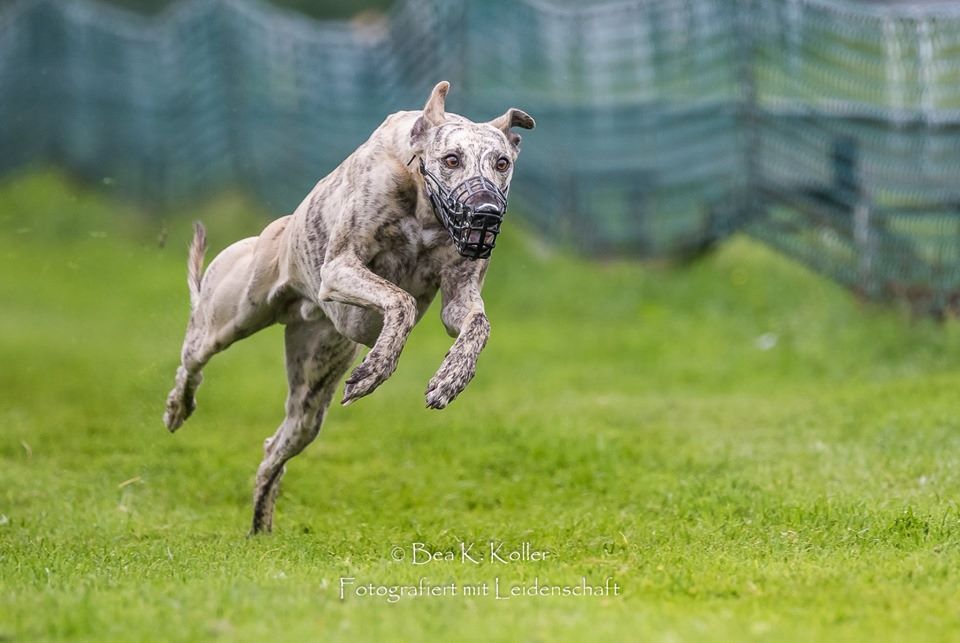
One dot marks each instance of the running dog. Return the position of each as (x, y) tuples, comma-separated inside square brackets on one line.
[(415, 209)]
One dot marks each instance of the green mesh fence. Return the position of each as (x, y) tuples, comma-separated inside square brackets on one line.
[(830, 129), (857, 119)]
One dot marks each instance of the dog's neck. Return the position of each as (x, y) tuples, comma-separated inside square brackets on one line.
[(391, 148), (411, 177)]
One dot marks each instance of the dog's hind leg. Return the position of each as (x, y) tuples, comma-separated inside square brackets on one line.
[(227, 304), (317, 356), (181, 402)]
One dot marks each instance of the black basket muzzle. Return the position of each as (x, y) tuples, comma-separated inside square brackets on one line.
[(471, 212)]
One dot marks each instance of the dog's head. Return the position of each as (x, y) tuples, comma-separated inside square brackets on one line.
[(467, 169)]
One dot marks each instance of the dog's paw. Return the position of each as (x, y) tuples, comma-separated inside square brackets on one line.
[(260, 528), (439, 396), (451, 378), (372, 372), (177, 411)]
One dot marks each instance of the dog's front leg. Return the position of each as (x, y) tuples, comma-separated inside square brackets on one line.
[(464, 317), (346, 279)]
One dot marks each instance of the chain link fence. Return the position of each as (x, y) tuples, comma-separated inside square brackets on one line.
[(829, 129)]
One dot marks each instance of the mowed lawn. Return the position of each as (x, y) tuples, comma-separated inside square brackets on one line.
[(743, 448)]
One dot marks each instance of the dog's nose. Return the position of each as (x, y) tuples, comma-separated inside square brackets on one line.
[(487, 208), (484, 203)]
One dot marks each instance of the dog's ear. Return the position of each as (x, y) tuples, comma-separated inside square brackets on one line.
[(434, 112), (513, 117)]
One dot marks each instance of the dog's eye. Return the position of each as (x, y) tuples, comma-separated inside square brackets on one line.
[(502, 164), (452, 161)]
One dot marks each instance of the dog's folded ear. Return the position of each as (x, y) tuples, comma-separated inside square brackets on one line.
[(513, 117), (434, 112)]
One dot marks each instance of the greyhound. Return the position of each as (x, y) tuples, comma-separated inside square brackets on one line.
[(413, 210)]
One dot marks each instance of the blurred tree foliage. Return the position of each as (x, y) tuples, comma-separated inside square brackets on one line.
[(315, 8), (333, 8)]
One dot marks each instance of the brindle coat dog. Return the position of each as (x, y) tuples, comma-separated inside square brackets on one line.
[(358, 262)]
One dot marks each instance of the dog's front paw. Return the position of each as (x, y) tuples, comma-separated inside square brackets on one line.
[(450, 380), (372, 372)]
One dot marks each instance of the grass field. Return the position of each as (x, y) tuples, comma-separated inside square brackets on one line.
[(747, 452)]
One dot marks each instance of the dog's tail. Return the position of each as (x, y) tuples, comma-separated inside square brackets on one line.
[(198, 248)]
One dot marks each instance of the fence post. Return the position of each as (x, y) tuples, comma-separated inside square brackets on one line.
[(847, 184), (748, 115)]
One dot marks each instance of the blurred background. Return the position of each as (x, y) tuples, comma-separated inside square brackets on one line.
[(828, 129)]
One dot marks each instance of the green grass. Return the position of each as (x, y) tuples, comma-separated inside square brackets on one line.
[(625, 417)]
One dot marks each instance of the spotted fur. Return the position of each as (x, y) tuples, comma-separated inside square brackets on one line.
[(358, 262)]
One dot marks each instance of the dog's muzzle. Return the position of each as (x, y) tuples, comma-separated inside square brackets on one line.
[(471, 212)]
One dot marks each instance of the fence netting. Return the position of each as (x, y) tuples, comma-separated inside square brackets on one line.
[(830, 129)]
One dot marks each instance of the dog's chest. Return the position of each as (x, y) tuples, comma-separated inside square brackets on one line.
[(404, 255), (404, 258)]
